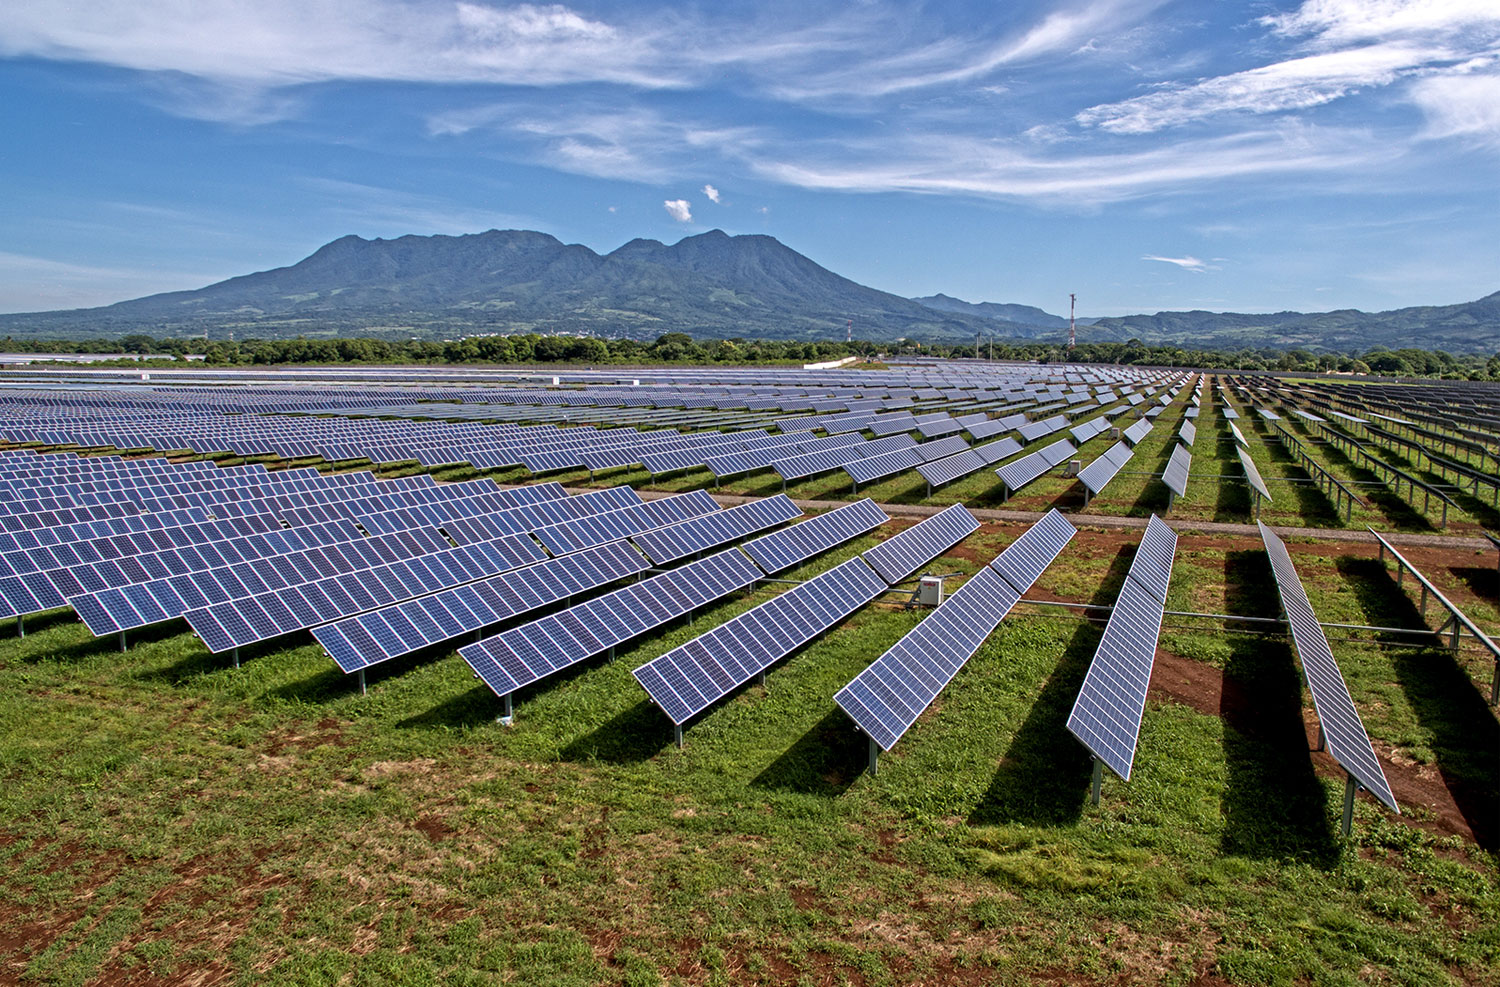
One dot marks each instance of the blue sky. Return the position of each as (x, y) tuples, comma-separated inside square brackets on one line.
[(1146, 155)]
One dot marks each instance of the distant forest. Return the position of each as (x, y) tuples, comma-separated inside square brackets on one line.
[(676, 347)]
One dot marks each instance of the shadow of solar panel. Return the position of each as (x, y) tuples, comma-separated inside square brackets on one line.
[(886, 698), (903, 554), (1343, 729), (1252, 475), (1175, 476), (1028, 556), (1021, 472), (784, 549), (525, 654), (690, 678), (678, 541), (364, 640)]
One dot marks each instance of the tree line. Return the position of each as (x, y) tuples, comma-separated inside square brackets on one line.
[(677, 347)]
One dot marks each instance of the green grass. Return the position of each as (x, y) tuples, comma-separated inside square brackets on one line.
[(166, 816)]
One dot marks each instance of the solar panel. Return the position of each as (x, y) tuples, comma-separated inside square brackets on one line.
[(1032, 431), (1021, 472), (690, 678), (1238, 436), (533, 651), (1252, 475), (1135, 433), (1096, 475), (903, 554), (1176, 474), (678, 541), (886, 698), (783, 549), (1342, 728), (1188, 433), (1087, 430), (359, 642)]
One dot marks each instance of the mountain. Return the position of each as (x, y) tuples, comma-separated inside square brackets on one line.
[(1023, 316), (1469, 327), (712, 285)]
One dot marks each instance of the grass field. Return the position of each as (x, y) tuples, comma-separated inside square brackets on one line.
[(167, 819)]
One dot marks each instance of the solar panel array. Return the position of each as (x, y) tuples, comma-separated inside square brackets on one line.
[(690, 678), (1106, 716), (784, 549), (533, 651), (1021, 472), (380, 635), (678, 541), (1087, 430), (1096, 475), (886, 698), (950, 468), (1342, 728), (903, 554)]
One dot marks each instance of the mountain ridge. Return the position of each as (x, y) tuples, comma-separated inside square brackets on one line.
[(710, 285)]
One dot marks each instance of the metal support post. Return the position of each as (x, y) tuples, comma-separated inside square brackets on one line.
[(20, 625), (611, 653), (1350, 787), (1322, 740), (362, 689), (508, 714), (122, 640), (677, 735), (235, 655), (1097, 783), (874, 757), (760, 679)]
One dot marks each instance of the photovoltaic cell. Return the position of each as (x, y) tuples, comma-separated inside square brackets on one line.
[(688, 679), (533, 651), (886, 698), (1096, 475), (903, 554), (1252, 475), (1176, 474), (1344, 730), (784, 549), (1021, 472), (678, 541)]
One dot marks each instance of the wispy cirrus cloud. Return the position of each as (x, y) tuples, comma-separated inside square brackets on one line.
[(1188, 263), (36, 284)]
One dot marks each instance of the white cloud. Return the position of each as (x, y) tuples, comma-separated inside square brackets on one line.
[(1291, 85), (679, 209), (1345, 21), (1186, 263), (712, 193), (1460, 106), (949, 164)]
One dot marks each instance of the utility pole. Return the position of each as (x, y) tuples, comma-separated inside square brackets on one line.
[(1072, 322)]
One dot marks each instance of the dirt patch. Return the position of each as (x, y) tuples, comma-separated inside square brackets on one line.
[(434, 828), (1191, 683), (327, 731), (1201, 687)]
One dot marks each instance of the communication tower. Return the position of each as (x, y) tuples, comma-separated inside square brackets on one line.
[(1072, 322)]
